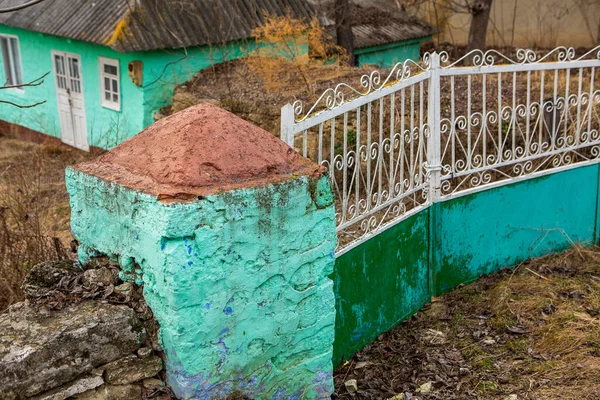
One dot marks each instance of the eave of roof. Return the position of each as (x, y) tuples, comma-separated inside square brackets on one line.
[(143, 25)]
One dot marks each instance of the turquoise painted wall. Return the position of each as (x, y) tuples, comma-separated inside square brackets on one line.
[(162, 71), (389, 277), (238, 281), (387, 55), (483, 232), (166, 69)]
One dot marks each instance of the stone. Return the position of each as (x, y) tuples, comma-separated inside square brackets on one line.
[(80, 385), (132, 369), (512, 397), (124, 289), (489, 341), (48, 276), (433, 337), (427, 387), (41, 350), (398, 397), (112, 392), (101, 277), (144, 352), (153, 383), (351, 385), (361, 364)]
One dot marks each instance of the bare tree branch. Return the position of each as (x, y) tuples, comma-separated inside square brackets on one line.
[(21, 105), (20, 7), (35, 82)]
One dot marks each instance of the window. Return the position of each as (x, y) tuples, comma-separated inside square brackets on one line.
[(11, 57), (109, 84)]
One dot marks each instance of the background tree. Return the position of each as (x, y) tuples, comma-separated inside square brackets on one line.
[(343, 29), (480, 17)]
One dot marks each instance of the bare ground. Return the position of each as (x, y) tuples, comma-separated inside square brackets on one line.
[(528, 333)]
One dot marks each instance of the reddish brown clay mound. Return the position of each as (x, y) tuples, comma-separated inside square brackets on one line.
[(198, 151)]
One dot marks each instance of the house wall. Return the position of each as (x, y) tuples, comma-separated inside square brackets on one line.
[(166, 69), (387, 55), (162, 71), (104, 125)]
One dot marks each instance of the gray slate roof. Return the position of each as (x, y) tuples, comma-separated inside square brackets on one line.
[(139, 25), (375, 22)]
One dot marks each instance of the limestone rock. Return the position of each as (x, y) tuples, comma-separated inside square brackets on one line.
[(153, 383), (351, 385), (132, 369), (124, 289), (427, 387), (112, 392), (398, 397), (41, 350), (81, 385), (48, 276), (144, 352), (101, 277)]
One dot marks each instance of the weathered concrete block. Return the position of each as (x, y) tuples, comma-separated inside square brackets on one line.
[(232, 234), (41, 350)]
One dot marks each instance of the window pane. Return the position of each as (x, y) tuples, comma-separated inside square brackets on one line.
[(6, 61), (74, 68), (110, 69), (106, 83), (16, 58), (115, 86), (115, 98), (107, 96), (60, 64)]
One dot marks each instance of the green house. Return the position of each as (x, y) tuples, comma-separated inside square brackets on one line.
[(97, 71), (383, 34)]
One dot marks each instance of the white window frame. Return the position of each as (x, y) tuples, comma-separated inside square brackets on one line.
[(13, 65), (102, 61)]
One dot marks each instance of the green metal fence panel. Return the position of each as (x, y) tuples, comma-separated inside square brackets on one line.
[(380, 283)]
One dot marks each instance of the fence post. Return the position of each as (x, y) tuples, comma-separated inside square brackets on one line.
[(287, 125), (434, 148), (434, 167)]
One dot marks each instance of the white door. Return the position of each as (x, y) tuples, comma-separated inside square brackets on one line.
[(69, 91)]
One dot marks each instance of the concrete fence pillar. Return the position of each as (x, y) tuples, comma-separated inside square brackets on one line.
[(232, 235)]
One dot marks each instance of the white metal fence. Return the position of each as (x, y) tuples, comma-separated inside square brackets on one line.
[(435, 130)]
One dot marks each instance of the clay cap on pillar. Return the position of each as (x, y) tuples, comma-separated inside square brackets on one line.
[(196, 152)]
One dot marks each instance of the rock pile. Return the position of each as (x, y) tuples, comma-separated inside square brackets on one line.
[(80, 334)]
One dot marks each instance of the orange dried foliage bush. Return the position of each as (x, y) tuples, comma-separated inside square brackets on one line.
[(288, 50)]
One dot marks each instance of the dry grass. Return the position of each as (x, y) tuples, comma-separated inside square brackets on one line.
[(34, 209)]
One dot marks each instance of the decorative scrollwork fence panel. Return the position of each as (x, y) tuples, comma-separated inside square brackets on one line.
[(435, 130)]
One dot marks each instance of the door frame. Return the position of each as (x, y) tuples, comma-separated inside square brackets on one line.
[(85, 145)]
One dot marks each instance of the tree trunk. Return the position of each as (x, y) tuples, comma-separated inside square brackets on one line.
[(343, 28), (480, 16)]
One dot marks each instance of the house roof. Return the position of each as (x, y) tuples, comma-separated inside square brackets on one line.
[(375, 22), (139, 25)]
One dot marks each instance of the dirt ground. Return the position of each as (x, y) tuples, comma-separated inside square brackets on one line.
[(532, 332)]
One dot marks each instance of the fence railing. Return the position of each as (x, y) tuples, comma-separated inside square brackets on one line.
[(435, 130)]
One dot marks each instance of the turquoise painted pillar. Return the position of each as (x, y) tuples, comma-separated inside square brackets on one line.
[(232, 235)]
